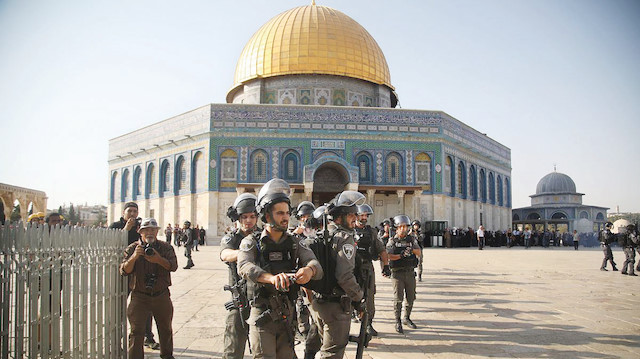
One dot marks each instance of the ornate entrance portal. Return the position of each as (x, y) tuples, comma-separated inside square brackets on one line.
[(328, 180)]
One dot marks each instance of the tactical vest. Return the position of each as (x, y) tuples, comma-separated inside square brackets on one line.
[(274, 258), (364, 244), (400, 246), (326, 254), (606, 237)]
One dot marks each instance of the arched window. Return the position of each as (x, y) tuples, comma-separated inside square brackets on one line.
[(584, 215), (394, 165), (114, 186), (461, 180), (165, 177), (483, 186), (492, 189), (137, 174), (534, 216), (363, 161), (507, 185), (180, 175), (516, 217), (559, 215), (259, 166), (290, 168), (198, 173), (125, 186), (423, 168), (500, 191), (600, 217), (473, 183), (151, 181), (448, 178)]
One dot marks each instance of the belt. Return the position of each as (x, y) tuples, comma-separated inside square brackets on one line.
[(152, 294)]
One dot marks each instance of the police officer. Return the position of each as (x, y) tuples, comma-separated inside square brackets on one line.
[(341, 293), (303, 230), (188, 239), (606, 237), (386, 232), (403, 252), (415, 231), (628, 243), (243, 214), (266, 260), (369, 248), (149, 262)]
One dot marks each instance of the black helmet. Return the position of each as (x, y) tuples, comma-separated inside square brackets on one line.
[(401, 219), (415, 221), (386, 222), (305, 208), (608, 224), (187, 223), (345, 202), (275, 191), (244, 203), (365, 209)]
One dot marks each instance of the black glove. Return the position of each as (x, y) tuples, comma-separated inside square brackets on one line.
[(358, 306), (386, 271)]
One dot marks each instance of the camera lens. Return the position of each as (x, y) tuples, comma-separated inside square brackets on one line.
[(148, 250)]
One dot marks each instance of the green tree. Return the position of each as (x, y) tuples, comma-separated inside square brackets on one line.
[(15, 215), (73, 217)]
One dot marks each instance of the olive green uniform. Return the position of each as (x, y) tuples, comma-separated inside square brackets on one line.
[(272, 339), (402, 274)]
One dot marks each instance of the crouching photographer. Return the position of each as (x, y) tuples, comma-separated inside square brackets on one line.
[(149, 263)]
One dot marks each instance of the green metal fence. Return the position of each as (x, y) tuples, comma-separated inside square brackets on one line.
[(61, 293)]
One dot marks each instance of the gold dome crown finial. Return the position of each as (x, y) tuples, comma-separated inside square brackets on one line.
[(313, 2)]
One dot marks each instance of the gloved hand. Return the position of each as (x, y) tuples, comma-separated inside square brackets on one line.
[(407, 252), (386, 271), (358, 306)]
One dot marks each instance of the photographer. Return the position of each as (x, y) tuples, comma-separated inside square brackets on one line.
[(149, 262)]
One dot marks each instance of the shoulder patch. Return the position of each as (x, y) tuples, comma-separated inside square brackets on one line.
[(304, 244), (246, 246), (348, 250)]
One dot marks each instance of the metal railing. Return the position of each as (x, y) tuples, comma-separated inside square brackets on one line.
[(61, 293)]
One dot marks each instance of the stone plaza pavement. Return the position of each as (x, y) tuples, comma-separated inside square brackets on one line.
[(499, 302)]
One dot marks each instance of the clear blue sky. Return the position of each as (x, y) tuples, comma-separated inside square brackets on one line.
[(558, 82)]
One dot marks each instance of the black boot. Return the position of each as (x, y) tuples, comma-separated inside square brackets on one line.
[(371, 331), (399, 326), (409, 323)]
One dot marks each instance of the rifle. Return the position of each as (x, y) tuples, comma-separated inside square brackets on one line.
[(278, 311), (363, 337), (238, 300)]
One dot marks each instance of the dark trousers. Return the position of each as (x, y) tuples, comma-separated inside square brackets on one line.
[(480, 242), (140, 308), (575, 245), (608, 256), (630, 260)]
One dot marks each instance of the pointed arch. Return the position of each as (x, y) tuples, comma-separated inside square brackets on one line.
[(473, 183), (461, 180), (394, 167), (198, 173), (114, 187), (492, 189), (165, 178), (364, 162), (291, 166), (258, 170), (150, 181), (124, 189), (483, 186), (500, 191), (137, 176)]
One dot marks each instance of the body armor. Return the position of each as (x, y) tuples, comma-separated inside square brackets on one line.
[(327, 286), (399, 246), (365, 244), (274, 258)]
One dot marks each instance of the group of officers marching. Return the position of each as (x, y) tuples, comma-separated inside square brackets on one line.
[(325, 264)]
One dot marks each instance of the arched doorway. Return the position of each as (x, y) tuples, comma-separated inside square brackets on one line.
[(328, 180)]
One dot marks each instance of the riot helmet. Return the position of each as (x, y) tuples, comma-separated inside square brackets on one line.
[(608, 225), (365, 209), (305, 208), (345, 202), (187, 223), (244, 203), (275, 191), (416, 222), (401, 220)]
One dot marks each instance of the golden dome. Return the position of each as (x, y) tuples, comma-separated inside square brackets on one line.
[(311, 40)]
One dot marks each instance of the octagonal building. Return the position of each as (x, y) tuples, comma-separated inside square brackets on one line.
[(312, 102)]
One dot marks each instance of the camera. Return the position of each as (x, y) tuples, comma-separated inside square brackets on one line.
[(150, 280), (148, 249)]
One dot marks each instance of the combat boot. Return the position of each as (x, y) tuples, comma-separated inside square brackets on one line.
[(371, 331), (409, 323), (399, 326)]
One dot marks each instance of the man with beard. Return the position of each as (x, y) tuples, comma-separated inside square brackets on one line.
[(273, 262)]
